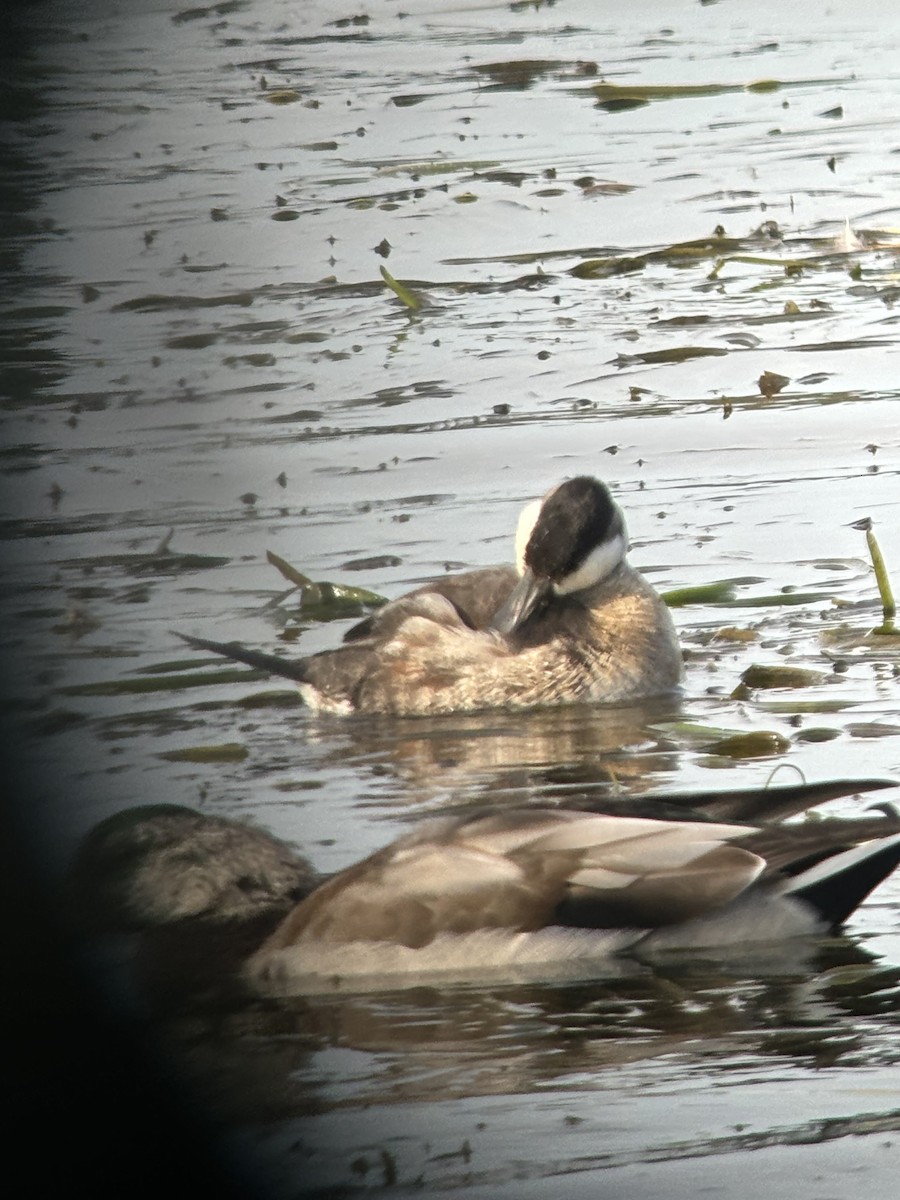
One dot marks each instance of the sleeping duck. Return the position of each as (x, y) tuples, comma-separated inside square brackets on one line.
[(571, 622), (498, 891)]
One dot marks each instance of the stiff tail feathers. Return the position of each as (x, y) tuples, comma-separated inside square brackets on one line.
[(272, 663)]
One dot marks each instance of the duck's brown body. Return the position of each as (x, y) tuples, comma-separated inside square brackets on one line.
[(573, 622), (428, 654)]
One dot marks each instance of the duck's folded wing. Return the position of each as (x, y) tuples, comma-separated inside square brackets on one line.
[(475, 597), (522, 871), (383, 625), (409, 894), (641, 873)]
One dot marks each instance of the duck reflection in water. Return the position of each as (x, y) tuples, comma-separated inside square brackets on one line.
[(502, 892), (571, 622)]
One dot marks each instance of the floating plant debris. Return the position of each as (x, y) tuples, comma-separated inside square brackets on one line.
[(889, 607), (759, 743), (702, 593), (615, 97), (324, 601), (404, 294), (727, 743), (770, 383), (722, 594), (782, 676), (225, 752)]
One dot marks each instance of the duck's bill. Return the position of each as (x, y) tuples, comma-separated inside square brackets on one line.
[(529, 594)]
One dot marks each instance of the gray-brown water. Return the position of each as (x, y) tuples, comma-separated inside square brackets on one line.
[(197, 339)]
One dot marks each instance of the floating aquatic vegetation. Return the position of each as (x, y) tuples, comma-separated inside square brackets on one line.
[(602, 268), (703, 593), (677, 354), (776, 600), (282, 96), (872, 729), (758, 743), (889, 607), (616, 97), (438, 166), (518, 74), (727, 743), (790, 266), (821, 704), (718, 245), (373, 562), (817, 733), (850, 644), (607, 188), (192, 341), (224, 752), (731, 633), (722, 594), (778, 675), (404, 294), (321, 600), (159, 561), (287, 697), (870, 644), (694, 730), (411, 99), (770, 383), (162, 303)]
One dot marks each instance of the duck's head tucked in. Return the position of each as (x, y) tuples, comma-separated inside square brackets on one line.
[(571, 622), (568, 541)]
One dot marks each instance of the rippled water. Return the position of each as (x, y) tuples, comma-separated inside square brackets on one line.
[(197, 339)]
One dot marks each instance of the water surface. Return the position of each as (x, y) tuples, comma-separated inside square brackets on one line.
[(203, 363)]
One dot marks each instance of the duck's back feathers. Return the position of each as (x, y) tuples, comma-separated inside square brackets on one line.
[(475, 595), (423, 658), (612, 644)]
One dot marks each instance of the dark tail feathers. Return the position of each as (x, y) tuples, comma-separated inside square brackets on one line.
[(838, 885), (272, 663)]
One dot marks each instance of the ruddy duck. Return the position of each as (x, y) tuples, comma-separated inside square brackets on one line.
[(517, 889), (573, 621)]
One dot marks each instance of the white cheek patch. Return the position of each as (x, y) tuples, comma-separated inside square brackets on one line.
[(524, 530), (600, 563)]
